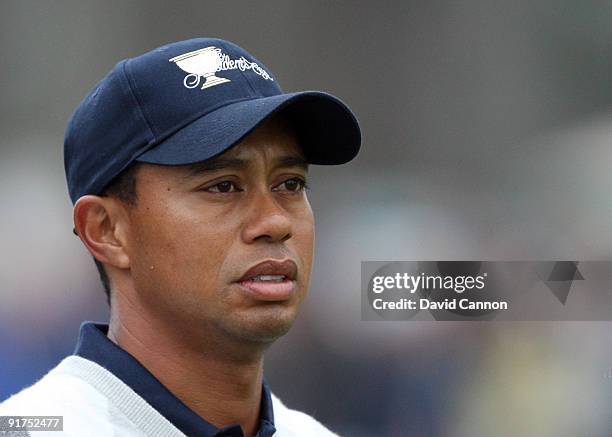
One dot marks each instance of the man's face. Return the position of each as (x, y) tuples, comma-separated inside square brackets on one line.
[(197, 230)]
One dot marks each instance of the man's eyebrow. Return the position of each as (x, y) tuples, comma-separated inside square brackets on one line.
[(291, 161), (220, 163), (215, 164)]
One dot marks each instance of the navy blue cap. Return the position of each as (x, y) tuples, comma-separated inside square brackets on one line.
[(187, 102)]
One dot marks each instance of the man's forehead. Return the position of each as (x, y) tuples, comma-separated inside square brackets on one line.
[(274, 140), (236, 159), (277, 144)]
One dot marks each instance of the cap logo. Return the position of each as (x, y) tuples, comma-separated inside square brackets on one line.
[(204, 63)]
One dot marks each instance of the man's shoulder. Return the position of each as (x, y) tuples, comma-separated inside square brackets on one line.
[(61, 392), (87, 411), (51, 393), (293, 423)]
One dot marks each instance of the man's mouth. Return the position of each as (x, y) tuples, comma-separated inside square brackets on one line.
[(273, 278), (270, 280)]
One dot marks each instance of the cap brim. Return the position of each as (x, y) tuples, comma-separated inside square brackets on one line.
[(327, 130)]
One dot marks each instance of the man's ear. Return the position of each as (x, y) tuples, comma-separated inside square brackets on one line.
[(102, 225)]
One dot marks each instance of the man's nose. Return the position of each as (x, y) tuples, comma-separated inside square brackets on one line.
[(266, 220)]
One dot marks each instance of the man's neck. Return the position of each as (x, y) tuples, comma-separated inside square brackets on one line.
[(218, 387)]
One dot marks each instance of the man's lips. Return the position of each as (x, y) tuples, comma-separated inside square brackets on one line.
[(270, 280), (272, 267)]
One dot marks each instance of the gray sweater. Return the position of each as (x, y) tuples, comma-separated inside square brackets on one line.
[(94, 402)]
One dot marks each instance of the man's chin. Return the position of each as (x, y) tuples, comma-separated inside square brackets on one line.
[(267, 335), (263, 326)]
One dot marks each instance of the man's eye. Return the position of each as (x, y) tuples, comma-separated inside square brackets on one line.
[(223, 187), (293, 185)]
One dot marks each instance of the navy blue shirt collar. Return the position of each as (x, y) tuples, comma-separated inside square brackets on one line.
[(95, 346)]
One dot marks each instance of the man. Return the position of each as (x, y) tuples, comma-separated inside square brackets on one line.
[(187, 168)]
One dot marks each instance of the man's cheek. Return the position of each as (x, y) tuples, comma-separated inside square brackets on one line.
[(199, 259), (304, 239)]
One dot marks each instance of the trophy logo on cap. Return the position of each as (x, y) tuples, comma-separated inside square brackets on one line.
[(203, 63)]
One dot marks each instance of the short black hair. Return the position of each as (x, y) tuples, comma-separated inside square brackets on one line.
[(123, 187)]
